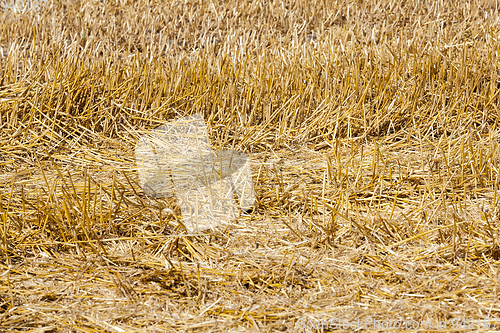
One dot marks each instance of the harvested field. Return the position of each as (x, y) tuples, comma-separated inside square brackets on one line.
[(373, 131)]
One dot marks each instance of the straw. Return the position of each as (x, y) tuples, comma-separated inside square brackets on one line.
[(372, 128)]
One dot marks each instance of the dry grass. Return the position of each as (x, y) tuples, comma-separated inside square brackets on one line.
[(373, 124)]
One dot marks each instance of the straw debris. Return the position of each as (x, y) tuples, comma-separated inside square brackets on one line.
[(373, 131)]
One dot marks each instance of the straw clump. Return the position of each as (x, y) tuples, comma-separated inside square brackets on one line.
[(372, 127)]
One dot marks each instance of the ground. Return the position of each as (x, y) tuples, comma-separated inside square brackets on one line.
[(373, 132)]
